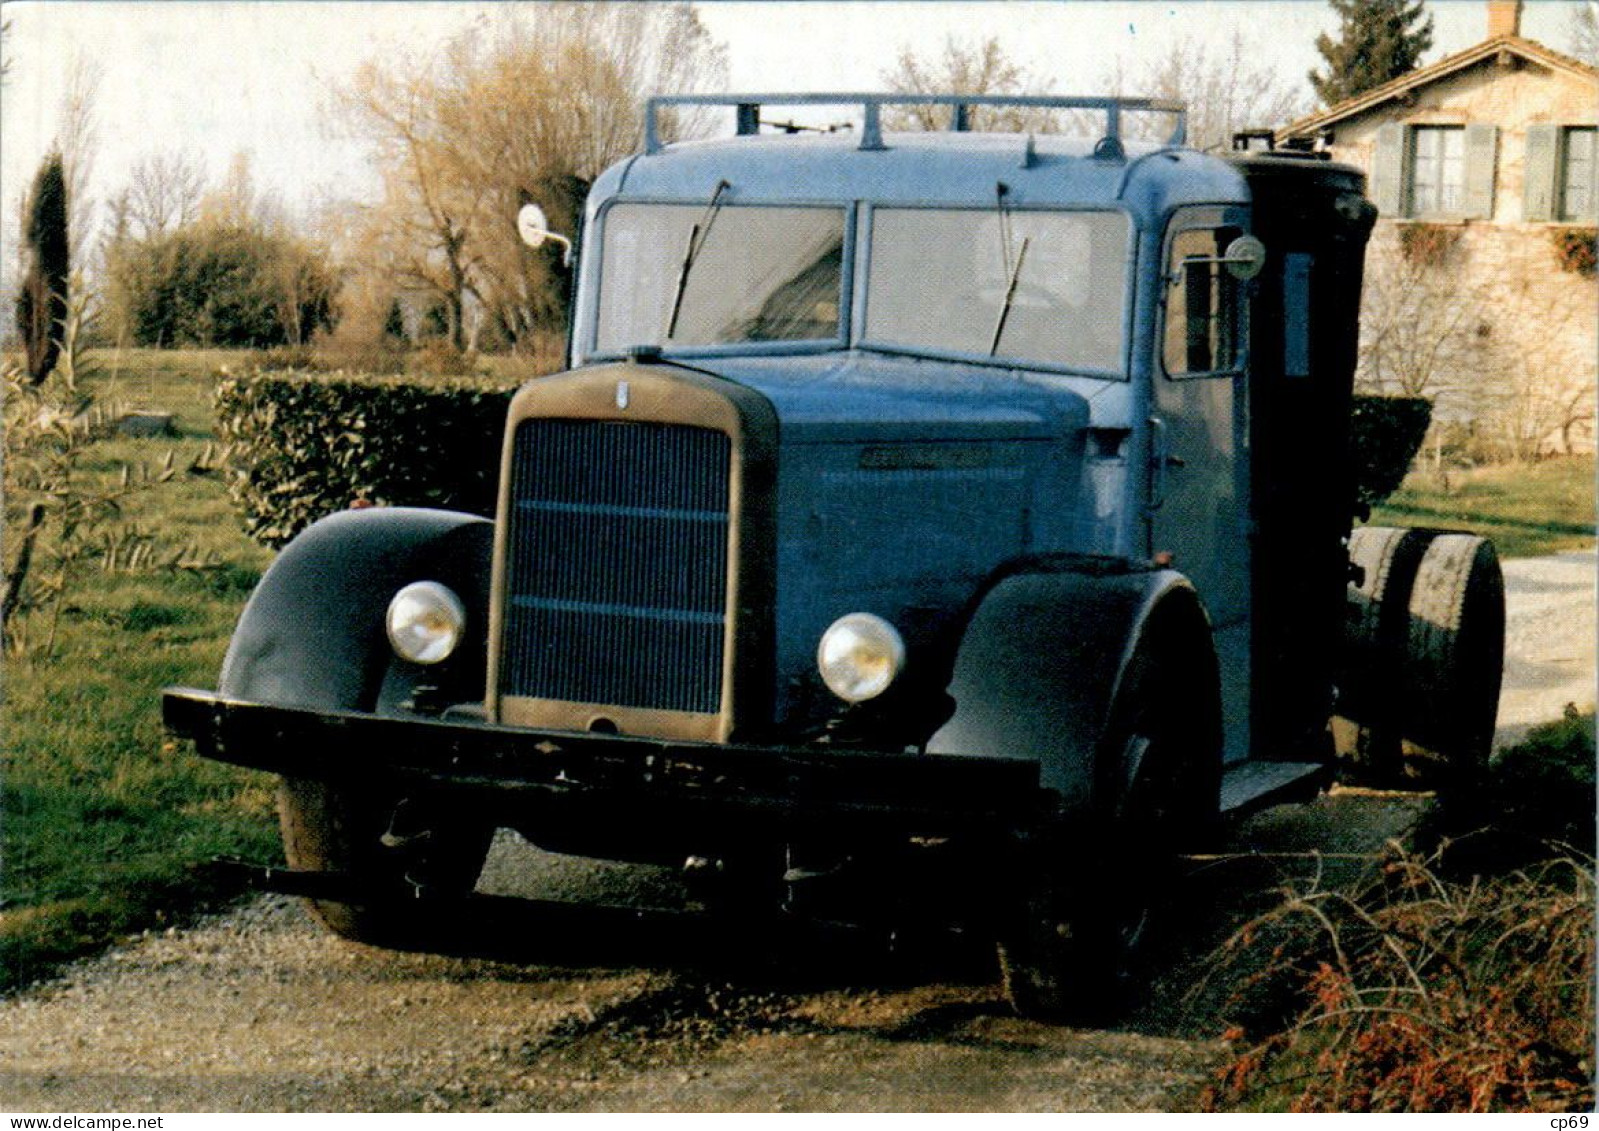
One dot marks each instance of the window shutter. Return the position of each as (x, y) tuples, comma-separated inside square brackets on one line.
[(1593, 186), (1541, 171), (1388, 170), (1482, 150)]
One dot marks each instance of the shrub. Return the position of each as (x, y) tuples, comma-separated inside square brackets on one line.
[(1384, 435), (286, 359), (1428, 245), (222, 283), (1462, 981), (434, 441), (307, 445), (1575, 250), (437, 357), (1420, 994), (1537, 793)]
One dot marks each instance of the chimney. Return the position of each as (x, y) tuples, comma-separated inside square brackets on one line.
[(1504, 18)]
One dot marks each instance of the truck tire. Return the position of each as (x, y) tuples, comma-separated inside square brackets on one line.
[(1423, 656), (329, 827), (1073, 955)]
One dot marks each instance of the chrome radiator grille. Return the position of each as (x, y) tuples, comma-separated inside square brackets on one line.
[(617, 564)]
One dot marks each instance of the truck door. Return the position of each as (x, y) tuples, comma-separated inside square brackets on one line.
[(1199, 485)]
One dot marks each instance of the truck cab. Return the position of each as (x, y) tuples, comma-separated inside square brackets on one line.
[(942, 502)]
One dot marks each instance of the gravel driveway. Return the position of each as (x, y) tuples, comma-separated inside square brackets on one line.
[(260, 1009), (1549, 639)]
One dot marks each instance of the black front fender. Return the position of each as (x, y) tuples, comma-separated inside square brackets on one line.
[(312, 634), (1044, 656)]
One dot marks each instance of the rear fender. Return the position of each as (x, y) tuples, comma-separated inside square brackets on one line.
[(1040, 672), (312, 634)]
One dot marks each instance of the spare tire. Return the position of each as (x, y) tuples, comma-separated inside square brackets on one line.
[(1422, 659)]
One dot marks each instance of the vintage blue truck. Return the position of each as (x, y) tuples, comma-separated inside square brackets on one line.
[(953, 504)]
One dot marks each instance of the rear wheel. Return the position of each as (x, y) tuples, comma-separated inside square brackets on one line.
[(392, 857), (1422, 659)]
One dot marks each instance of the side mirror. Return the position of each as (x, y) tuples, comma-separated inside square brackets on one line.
[(1245, 257), (534, 228)]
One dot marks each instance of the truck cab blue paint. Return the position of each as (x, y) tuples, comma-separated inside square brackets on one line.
[(1053, 461), (902, 484)]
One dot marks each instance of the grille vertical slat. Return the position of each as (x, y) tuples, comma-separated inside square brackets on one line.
[(617, 564)]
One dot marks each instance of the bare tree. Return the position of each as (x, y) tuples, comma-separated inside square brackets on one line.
[(1226, 89), (1535, 369), (1583, 31), (236, 202), (164, 193), (1418, 321), (1506, 356), (529, 106), (974, 67), (77, 130), (419, 229)]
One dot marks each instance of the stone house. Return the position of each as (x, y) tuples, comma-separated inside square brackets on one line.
[(1480, 281)]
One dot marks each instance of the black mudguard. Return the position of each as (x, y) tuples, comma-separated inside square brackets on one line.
[(312, 634), (1044, 657)]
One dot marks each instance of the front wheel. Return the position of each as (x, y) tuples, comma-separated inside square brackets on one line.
[(391, 857), (1073, 952)]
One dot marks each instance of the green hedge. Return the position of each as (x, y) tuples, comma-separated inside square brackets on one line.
[(1385, 433), (307, 445), (304, 446)]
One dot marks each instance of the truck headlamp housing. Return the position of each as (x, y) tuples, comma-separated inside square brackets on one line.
[(425, 622), (859, 656)]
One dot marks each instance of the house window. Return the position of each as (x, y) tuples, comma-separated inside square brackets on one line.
[(1437, 171), (1577, 173)]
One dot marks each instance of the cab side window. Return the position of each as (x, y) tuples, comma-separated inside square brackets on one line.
[(1201, 335)]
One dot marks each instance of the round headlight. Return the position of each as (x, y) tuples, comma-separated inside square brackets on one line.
[(425, 622), (859, 656)]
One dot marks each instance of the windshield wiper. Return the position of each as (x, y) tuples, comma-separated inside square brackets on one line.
[(696, 241), (1010, 295)]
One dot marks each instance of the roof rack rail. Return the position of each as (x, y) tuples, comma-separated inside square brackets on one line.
[(748, 111)]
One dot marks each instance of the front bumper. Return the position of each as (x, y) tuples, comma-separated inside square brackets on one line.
[(515, 776)]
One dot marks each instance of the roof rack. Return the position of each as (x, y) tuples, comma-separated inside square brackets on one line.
[(748, 111)]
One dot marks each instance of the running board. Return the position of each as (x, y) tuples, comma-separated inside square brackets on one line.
[(1252, 785)]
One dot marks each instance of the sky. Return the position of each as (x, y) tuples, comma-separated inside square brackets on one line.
[(213, 78)]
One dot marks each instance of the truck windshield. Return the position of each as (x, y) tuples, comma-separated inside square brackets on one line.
[(756, 274), (1047, 287)]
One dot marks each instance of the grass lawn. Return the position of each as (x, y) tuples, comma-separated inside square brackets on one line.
[(105, 824), (1526, 509)]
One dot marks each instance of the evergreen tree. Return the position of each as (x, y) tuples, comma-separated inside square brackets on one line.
[(42, 302), (1378, 40)]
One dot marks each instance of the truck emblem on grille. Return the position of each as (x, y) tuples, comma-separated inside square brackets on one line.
[(621, 394)]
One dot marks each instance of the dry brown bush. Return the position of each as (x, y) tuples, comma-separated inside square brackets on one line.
[(1419, 992)]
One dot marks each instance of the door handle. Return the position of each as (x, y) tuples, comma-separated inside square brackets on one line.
[(1160, 458)]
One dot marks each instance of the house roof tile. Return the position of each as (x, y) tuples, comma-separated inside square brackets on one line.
[(1528, 49)]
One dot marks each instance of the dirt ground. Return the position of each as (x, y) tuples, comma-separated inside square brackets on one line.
[(612, 1007), (260, 1009)]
